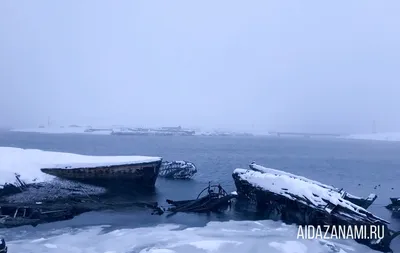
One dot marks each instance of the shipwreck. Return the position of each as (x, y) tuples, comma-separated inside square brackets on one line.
[(134, 174), (45, 192), (35, 213), (363, 202), (212, 198), (38, 166), (279, 195), (394, 206), (177, 170)]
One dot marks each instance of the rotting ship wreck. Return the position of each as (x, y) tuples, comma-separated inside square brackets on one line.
[(73, 187), (140, 173), (279, 195)]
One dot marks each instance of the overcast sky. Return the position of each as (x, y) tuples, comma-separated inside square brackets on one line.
[(243, 65)]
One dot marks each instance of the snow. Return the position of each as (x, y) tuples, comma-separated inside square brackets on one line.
[(177, 169), (215, 237), (394, 136), (287, 186), (62, 130), (279, 172), (289, 247), (28, 162), (100, 161)]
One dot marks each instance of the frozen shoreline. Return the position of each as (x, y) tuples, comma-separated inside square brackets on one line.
[(126, 131), (216, 237), (390, 136), (394, 136), (62, 130)]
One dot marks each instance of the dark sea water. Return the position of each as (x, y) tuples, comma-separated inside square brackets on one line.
[(357, 166)]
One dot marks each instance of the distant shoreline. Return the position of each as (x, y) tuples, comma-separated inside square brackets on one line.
[(125, 131), (390, 137)]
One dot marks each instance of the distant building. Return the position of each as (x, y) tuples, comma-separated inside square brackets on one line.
[(178, 128)]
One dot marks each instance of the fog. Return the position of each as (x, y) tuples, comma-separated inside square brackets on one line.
[(241, 65)]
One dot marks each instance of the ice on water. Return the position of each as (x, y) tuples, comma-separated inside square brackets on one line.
[(28, 162), (215, 237)]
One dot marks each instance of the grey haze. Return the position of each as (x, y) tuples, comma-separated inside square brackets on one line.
[(321, 66)]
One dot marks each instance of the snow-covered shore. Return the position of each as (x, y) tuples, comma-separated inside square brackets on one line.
[(118, 130), (64, 130), (394, 136), (215, 237), (121, 130)]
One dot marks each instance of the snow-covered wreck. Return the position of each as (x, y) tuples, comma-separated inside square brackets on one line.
[(39, 172), (53, 186), (363, 202), (279, 195), (177, 170)]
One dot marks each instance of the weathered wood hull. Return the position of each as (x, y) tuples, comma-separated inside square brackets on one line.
[(204, 204), (127, 175), (298, 210), (363, 202), (22, 214)]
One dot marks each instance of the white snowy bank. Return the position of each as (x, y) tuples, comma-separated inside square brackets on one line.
[(64, 130), (28, 162), (215, 237), (376, 137)]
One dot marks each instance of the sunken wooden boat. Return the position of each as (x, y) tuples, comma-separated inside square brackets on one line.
[(216, 200), (15, 216), (22, 214), (213, 198), (140, 173), (297, 200)]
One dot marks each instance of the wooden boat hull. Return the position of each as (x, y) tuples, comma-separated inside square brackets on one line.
[(216, 200), (284, 200), (22, 214), (127, 175), (204, 204)]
